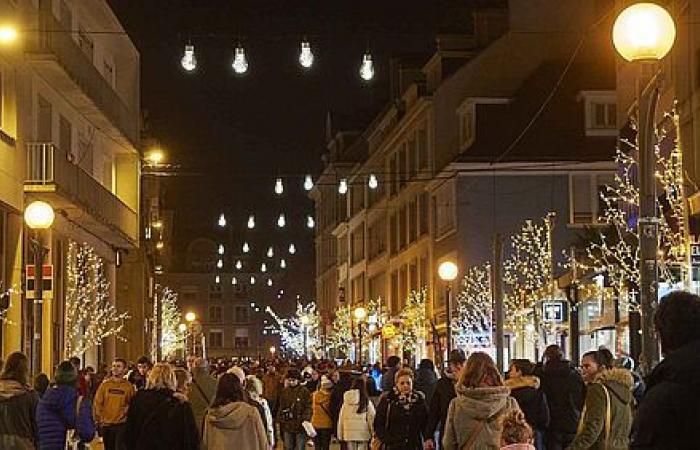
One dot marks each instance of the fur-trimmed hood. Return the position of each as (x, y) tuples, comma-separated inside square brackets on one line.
[(523, 381), (619, 381)]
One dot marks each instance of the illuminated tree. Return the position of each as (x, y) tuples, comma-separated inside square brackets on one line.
[(472, 327), (171, 337), (413, 321), (90, 316), (341, 335), (291, 330)]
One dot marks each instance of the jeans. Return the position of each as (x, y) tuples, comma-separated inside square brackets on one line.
[(322, 441), (294, 441), (113, 436)]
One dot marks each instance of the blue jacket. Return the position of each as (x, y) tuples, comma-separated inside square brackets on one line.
[(55, 415)]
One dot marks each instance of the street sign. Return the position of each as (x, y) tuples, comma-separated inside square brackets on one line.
[(553, 312), (695, 254), (46, 281)]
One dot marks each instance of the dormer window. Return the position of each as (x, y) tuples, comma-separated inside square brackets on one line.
[(600, 109)]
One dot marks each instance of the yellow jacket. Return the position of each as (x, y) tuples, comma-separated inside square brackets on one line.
[(112, 401), (321, 401)]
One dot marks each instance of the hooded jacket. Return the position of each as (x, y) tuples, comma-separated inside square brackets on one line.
[(297, 400), (475, 408), (532, 401), (321, 416), (158, 420), (56, 414), (591, 434), (439, 405), (237, 424), (565, 392), (669, 414), (17, 409), (201, 394), (426, 380), (352, 425)]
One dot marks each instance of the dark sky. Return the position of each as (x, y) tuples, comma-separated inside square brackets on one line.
[(240, 133)]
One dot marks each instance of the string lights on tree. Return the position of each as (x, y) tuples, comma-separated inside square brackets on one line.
[(305, 320), (90, 316), (341, 335), (171, 337), (413, 320), (472, 326)]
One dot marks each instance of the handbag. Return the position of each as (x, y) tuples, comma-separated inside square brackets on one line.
[(375, 443)]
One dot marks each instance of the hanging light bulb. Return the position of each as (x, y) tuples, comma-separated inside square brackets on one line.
[(217, 280), (306, 57), (240, 63), (251, 222), (283, 263), (343, 186), (234, 281), (219, 264), (189, 61), (292, 249), (308, 183), (367, 67), (281, 221), (270, 252), (269, 281), (263, 267), (222, 220), (252, 279), (246, 247), (221, 249), (372, 182), (239, 265), (279, 187), (310, 223)]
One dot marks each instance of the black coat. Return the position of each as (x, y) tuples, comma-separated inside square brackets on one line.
[(566, 393), (344, 383), (157, 420), (399, 428), (440, 403), (17, 414), (668, 417), (532, 400), (425, 382)]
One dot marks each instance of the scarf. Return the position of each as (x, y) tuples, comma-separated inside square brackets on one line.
[(405, 401)]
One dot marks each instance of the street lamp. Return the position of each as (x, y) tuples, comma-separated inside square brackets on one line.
[(8, 34), (448, 271), (644, 33), (305, 323), (38, 216), (190, 317), (155, 156), (360, 314), (182, 328), (272, 352)]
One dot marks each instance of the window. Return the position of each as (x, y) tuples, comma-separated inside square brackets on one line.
[(600, 108), (357, 197), (393, 175), (403, 284), (241, 339), (358, 244), (189, 297), (393, 234), (422, 143), (240, 314), (85, 43), (412, 221), (394, 292), (403, 223), (216, 339), (44, 120), (424, 271), (412, 159), (603, 115), (401, 169), (445, 220), (586, 204), (215, 291), (467, 124), (358, 289), (343, 249), (423, 208), (376, 287), (413, 275), (65, 136), (377, 238), (215, 314)]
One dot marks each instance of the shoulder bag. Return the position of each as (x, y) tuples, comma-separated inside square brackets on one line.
[(608, 417)]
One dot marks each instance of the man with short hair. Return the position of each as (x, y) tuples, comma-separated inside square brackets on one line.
[(393, 364), (111, 405), (669, 414), (443, 395), (139, 376)]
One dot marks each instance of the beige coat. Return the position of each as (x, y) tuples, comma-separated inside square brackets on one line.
[(237, 424), (473, 407)]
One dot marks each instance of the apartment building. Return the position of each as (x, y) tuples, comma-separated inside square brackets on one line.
[(70, 100)]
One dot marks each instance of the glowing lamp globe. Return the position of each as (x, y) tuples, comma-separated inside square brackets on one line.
[(448, 271), (182, 327), (360, 313), (39, 215), (190, 316), (644, 32)]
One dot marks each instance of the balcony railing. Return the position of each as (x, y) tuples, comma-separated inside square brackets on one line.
[(49, 171), (62, 62)]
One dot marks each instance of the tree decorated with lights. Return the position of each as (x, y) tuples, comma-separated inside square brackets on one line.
[(341, 336), (171, 317), (413, 321), (614, 250), (5, 302), (528, 271), (472, 325), (291, 330), (90, 316)]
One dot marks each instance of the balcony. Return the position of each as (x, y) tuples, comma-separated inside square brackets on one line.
[(59, 60), (74, 192)]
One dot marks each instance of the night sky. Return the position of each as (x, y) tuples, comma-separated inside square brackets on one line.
[(233, 135)]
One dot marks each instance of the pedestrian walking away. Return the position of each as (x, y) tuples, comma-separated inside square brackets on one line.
[(443, 395), (525, 388), (321, 415), (18, 404), (202, 390), (356, 421)]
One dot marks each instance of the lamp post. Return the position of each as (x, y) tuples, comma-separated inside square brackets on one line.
[(305, 325), (182, 328), (190, 317), (38, 216), (360, 314), (644, 33), (448, 271)]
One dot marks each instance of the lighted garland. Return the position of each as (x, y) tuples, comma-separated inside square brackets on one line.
[(90, 315), (413, 321), (291, 330), (171, 337), (341, 336), (472, 326)]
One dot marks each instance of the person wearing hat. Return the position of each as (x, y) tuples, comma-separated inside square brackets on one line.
[(294, 409), (321, 417), (62, 409), (444, 393)]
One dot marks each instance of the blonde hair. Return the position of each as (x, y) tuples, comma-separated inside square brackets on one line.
[(405, 372), (480, 369), (162, 376), (516, 429), (253, 385)]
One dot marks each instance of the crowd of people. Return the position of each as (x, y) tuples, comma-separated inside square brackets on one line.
[(259, 404)]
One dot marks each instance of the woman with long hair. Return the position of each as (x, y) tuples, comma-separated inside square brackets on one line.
[(474, 419), (231, 420), (17, 405), (355, 424), (158, 419), (402, 415)]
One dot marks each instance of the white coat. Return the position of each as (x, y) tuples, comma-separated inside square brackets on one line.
[(354, 426)]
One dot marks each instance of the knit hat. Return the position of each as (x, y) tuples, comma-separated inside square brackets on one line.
[(65, 373), (326, 383)]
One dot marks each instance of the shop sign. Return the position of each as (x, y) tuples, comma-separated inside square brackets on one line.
[(695, 254), (553, 312)]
